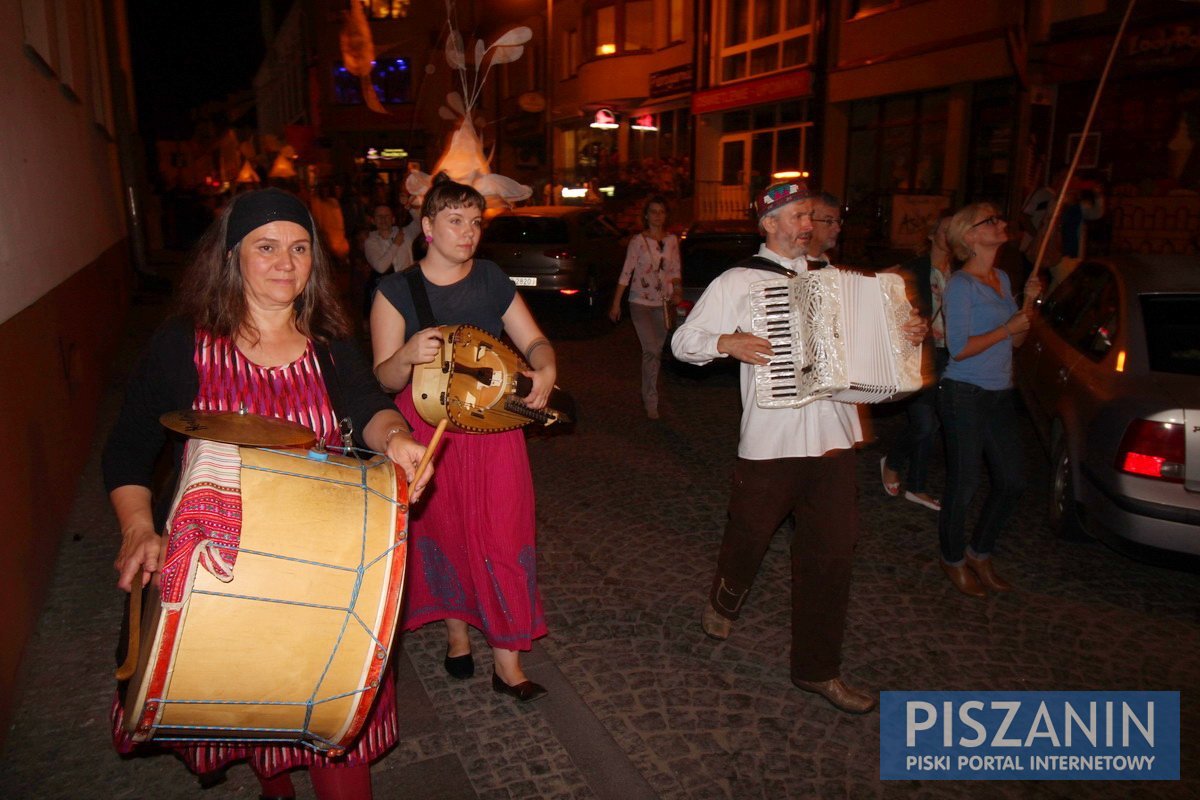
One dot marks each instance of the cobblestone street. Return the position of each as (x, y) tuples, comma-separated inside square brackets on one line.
[(641, 703)]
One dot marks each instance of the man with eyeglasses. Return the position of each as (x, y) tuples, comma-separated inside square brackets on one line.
[(827, 225), (790, 460)]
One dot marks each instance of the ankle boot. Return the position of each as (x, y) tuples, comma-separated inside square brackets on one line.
[(986, 572), (963, 579)]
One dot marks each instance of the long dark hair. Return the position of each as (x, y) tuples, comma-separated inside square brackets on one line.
[(213, 295)]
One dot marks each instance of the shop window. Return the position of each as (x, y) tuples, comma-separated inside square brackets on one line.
[(391, 77), (671, 140), (612, 27), (386, 9), (897, 144), (759, 37), (993, 139)]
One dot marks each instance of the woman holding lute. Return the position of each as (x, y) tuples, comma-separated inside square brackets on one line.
[(473, 553)]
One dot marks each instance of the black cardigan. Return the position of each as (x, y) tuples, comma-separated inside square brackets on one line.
[(165, 379)]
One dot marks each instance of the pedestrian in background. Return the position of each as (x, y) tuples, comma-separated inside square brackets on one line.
[(975, 398), (926, 276), (652, 274), (388, 249)]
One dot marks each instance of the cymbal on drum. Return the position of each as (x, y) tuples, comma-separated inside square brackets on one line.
[(241, 428)]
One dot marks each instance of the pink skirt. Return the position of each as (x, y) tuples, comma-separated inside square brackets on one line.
[(471, 552), (378, 735)]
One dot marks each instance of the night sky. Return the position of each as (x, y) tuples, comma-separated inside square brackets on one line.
[(187, 52)]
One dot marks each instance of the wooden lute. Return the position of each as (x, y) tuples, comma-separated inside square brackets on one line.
[(475, 383)]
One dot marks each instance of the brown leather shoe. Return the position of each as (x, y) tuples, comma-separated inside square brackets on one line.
[(985, 570), (840, 695), (714, 625), (963, 579)]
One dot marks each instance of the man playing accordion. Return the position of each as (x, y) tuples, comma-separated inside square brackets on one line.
[(790, 460)]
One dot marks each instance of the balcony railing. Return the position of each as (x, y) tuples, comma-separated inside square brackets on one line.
[(715, 200)]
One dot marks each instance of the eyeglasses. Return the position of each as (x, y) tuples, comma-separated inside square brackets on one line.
[(994, 219), (828, 220)]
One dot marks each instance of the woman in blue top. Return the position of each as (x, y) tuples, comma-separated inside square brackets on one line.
[(983, 325)]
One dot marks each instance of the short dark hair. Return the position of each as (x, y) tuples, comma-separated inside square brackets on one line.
[(660, 200), (831, 200), (445, 193)]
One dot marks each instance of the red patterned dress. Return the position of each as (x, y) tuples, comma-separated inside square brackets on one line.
[(229, 382)]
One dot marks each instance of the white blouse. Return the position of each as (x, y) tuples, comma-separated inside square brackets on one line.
[(651, 266)]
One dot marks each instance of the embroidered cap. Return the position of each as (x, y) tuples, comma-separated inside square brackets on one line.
[(780, 194)]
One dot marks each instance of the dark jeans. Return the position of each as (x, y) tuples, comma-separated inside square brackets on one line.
[(915, 444), (978, 422), (822, 492)]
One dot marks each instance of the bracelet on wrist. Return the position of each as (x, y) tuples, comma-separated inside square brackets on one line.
[(387, 437)]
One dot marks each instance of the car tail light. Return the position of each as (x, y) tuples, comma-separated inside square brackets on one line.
[(568, 292), (560, 252), (1153, 450), (685, 307)]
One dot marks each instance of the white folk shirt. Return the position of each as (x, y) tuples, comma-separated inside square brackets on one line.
[(766, 433)]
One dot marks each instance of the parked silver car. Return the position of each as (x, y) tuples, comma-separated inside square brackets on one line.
[(571, 250), (1110, 374)]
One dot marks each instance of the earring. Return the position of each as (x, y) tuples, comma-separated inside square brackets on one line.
[(428, 239)]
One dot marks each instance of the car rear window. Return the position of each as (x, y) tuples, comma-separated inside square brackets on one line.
[(526, 230), (1173, 332)]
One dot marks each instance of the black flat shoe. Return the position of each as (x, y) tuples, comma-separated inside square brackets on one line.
[(523, 692), (461, 667)]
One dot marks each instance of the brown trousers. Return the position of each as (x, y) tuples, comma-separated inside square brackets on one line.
[(822, 493)]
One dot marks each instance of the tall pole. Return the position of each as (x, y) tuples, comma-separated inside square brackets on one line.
[(549, 82), (1087, 127)]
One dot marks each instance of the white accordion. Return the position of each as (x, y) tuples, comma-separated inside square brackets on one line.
[(835, 335)]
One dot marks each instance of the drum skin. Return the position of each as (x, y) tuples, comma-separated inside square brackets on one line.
[(292, 648)]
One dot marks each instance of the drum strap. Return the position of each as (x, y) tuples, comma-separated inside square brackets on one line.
[(420, 297)]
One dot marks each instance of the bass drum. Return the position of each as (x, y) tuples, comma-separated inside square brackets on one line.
[(273, 616)]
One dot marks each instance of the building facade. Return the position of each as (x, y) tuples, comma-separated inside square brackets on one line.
[(65, 267)]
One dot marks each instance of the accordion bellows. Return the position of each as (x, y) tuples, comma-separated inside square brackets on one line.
[(836, 335)]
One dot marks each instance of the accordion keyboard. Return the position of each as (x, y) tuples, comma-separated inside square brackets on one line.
[(835, 334), (776, 382)]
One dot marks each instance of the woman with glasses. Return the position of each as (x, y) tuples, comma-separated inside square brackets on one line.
[(652, 269), (975, 398)]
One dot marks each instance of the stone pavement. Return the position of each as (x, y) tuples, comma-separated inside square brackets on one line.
[(642, 705)]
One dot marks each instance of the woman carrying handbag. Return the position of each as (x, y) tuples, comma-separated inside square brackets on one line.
[(652, 269)]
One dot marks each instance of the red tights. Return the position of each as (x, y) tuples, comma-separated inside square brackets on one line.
[(330, 783)]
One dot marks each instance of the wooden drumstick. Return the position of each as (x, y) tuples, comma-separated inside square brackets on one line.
[(429, 449), (126, 670)]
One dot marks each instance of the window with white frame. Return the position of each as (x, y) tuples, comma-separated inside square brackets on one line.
[(757, 37), (760, 142)]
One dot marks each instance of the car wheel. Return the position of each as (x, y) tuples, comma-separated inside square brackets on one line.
[(1064, 509)]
